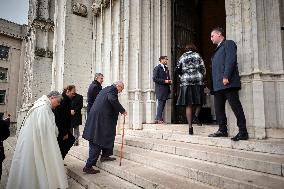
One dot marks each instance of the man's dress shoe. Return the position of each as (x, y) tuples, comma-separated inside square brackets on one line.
[(219, 134)]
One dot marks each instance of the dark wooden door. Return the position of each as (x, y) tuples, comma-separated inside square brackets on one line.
[(185, 28)]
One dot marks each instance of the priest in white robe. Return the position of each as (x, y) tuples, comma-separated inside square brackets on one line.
[(37, 162)]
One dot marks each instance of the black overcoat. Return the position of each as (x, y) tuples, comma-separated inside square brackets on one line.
[(76, 105), (162, 89), (102, 119), (4, 134), (93, 91), (63, 122), (63, 116), (224, 65)]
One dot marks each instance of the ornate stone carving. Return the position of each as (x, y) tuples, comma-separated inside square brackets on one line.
[(40, 52), (96, 7), (46, 25), (79, 9), (49, 54)]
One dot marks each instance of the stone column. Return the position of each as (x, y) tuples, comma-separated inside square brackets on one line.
[(59, 46)]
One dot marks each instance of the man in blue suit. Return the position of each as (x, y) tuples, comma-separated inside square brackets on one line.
[(161, 77), (226, 84)]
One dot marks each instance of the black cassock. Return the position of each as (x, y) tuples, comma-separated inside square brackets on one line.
[(101, 123)]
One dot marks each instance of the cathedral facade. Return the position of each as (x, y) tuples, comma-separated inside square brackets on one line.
[(68, 41)]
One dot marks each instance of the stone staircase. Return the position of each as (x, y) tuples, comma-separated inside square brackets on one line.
[(165, 156)]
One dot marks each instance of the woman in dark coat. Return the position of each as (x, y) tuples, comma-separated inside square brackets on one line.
[(191, 70)]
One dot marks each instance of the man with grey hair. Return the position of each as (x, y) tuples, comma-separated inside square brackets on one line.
[(37, 151), (100, 129), (94, 89)]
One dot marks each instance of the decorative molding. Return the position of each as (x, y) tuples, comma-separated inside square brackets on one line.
[(79, 9), (41, 52), (46, 25), (98, 4), (49, 54)]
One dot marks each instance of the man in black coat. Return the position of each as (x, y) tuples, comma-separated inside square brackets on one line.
[(226, 84), (4, 134), (100, 129), (63, 120), (76, 116), (94, 89), (161, 77)]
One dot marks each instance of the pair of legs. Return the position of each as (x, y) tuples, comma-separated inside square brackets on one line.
[(76, 133), (160, 109), (94, 153), (189, 115), (232, 95), (66, 144)]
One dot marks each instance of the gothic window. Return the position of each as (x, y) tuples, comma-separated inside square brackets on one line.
[(4, 51), (2, 96), (3, 74)]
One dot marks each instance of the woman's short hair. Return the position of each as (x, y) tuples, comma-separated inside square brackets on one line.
[(191, 47)]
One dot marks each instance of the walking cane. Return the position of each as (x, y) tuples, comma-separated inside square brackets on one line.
[(121, 147)]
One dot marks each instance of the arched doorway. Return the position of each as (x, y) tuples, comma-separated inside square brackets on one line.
[(193, 20)]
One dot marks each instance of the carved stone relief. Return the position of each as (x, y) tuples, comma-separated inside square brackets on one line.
[(79, 9), (98, 4), (46, 25)]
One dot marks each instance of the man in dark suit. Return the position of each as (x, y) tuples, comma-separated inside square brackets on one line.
[(76, 116), (63, 120), (161, 77), (94, 89), (226, 84), (4, 134), (100, 129)]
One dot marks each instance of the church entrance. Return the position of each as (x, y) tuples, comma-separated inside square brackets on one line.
[(192, 21)]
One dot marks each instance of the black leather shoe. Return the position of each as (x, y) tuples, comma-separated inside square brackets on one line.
[(219, 134), (90, 170), (190, 132), (107, 159), (240, 136)]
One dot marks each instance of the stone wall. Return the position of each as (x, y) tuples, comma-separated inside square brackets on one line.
[(130, 36), (255, 26)]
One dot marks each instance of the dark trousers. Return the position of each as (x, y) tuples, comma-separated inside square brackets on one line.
[(94, 153), (232, 95), (0, 169), (65, 145), (2, 157), (160, 109)]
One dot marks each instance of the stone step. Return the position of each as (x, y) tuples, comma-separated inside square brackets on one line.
[(74, 184), (217, 175), (182, 128), (101, 180), (265, 146), (261, 162), (141, 175)]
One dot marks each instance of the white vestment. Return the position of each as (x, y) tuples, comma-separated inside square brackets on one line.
[(37, 162)]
